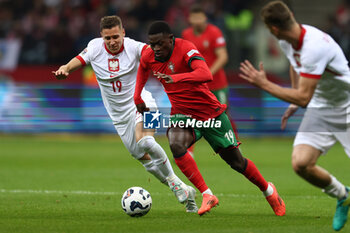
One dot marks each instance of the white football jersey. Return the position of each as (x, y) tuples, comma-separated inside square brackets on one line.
[(320, 57), (115, 73)]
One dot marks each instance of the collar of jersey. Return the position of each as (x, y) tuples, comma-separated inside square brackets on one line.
[(110, 52), (301, 38), (167, 58)]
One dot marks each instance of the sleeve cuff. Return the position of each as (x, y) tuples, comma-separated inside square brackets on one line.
[(80, 58), (313, 76)]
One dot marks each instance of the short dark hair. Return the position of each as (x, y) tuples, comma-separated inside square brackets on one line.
[(109, 22), (159, 27), (196, 8), (277, 13)]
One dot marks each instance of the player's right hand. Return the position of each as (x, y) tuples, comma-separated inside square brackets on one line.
[(288, 113), (61, 73), (142, 108)]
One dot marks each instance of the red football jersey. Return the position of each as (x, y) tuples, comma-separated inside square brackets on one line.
[(206, 43), (189, 94)]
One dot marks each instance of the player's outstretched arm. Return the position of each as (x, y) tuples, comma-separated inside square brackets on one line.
[(142, 108), (300, 96), (65, 70), (292, 108)]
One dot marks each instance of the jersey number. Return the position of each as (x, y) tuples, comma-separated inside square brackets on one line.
[(117, 85), (230, 136)]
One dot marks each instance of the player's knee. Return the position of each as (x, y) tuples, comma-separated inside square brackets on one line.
[(299, 166), (146, 143), (177, 148)]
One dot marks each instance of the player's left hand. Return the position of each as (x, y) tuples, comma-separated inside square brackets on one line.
[(252, 75), (61, 73), (287, 114), (165, 77), (142, 108)]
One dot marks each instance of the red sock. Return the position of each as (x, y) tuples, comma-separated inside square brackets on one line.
[(189, 167), (252, 173)]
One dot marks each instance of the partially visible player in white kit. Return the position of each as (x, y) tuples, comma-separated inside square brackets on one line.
[(115, 60), (321, 81)]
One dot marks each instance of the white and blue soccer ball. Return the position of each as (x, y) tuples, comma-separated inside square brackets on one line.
[(136, 201)]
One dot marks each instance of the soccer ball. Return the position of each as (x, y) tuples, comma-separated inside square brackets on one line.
[(136, 201)]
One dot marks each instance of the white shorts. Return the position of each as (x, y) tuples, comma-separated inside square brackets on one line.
[(126, 129), (322, 131)]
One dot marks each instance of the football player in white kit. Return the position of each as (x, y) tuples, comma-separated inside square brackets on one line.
[(321, 81), (115, 60)]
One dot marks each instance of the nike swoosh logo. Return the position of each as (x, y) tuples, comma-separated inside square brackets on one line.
[(210, 202), (113, 76)]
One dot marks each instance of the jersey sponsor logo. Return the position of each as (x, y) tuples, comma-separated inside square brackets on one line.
[(113, 64), (297, 59), (191, 52), (171, 67)]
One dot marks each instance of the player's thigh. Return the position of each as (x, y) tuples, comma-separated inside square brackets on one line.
[(180, 137), (220, 137), (304, 155), (321, 141), (308, 146)]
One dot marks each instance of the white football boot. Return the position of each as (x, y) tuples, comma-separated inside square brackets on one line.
[(191, 206)]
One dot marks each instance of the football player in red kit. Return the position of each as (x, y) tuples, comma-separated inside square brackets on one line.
[(195, 112)]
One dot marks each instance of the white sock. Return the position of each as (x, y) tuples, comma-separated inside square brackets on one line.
[(208, 191), (335, 189), (158, 155), (151, 168), (268, 191)]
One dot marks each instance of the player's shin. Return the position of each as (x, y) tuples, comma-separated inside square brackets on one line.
[(234, 158), (162, 163), (153, 169), (253, 174), (189, 168)]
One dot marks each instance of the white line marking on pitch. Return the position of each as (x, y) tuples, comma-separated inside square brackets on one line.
[(81, 192)]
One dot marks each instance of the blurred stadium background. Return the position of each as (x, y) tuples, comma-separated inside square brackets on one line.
[(39, 35)]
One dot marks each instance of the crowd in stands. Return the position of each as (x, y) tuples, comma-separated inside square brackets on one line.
[(53, 31), (339, 27)]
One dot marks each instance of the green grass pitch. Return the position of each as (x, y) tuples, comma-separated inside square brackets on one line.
[(74, 184)]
